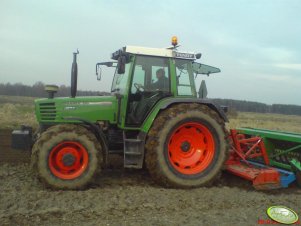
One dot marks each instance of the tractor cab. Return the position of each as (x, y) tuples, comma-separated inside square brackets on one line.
[(144, 76)]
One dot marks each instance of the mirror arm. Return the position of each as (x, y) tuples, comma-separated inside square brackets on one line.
[(96, 67), (98, 75)]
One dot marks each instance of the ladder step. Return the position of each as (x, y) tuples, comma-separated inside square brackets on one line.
[(133, 140), (132, 166), (132, 153)]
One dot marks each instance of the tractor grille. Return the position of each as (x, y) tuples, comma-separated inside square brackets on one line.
[(47, 111)]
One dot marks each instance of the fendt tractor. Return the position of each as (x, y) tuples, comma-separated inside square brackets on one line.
[(153, 117), (156, 120)]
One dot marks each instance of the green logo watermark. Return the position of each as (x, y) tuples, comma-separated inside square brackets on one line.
[(282, 214)]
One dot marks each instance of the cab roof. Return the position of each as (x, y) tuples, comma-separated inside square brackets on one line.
[(169, 52), (160, 52)]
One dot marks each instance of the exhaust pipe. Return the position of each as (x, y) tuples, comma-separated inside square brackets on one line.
[(74, 75)]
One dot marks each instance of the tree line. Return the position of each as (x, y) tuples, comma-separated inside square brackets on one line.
[(38, 90), (250, 106)]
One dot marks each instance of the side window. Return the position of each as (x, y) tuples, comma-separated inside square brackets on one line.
[(120, 80), (151, 73), (139, 77), (184, 78), (156, 80)]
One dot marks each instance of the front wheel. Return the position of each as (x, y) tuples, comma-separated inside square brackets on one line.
[(186, 146), (67, 157)]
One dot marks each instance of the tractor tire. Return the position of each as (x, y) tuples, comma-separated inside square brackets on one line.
[(66, 156), (186, 146)]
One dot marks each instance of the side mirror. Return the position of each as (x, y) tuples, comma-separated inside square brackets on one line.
[(98, 68), (121, 64)]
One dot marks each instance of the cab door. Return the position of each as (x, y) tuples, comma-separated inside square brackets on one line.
[(120, 89), (144, 90)]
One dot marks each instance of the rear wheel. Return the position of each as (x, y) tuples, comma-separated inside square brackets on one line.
[(186, 146), (67, 157), (191, 148)]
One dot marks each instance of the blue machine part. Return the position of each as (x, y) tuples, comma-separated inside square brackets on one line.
[(286, 177)]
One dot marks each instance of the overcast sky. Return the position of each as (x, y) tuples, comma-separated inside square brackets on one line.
[(256, 44)]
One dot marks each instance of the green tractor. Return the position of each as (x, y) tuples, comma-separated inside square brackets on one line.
[(153, 117)]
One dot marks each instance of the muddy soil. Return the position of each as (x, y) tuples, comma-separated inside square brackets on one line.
[(129, 197)]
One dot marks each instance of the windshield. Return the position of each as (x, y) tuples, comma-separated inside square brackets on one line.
[(120, 80)]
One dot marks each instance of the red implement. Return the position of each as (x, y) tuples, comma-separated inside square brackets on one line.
[(244, 149)]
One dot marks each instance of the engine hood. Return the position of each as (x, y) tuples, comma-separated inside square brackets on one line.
[(93, 109)]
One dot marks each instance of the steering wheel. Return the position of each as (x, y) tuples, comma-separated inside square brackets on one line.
[(139, 87)]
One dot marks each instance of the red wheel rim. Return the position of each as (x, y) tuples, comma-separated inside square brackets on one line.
[(68, 160), (191, 148)]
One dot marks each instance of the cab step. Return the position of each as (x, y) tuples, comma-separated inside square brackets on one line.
[(133, 152)]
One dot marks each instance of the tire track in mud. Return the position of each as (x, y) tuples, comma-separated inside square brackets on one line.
[(129, 197)]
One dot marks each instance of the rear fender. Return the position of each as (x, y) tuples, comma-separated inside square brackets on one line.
[(165, 103)]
